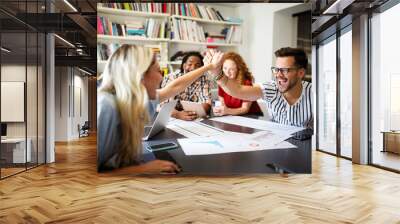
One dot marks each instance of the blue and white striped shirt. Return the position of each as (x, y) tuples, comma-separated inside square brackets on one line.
[(299, 114)]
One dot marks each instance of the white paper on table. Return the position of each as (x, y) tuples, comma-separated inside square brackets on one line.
[(259, 124), (269, 137), (191, 129), (225, 143)]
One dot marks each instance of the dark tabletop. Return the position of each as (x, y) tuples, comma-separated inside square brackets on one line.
[(292, 160)]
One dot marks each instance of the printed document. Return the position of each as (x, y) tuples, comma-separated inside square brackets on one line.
[(258, 124), (225, 143)]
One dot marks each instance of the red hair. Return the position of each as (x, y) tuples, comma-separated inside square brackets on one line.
[(243, 71)]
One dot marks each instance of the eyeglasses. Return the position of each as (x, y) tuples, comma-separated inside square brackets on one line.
[(284, 71)]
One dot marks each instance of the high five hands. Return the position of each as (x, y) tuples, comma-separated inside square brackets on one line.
[(214, 58)]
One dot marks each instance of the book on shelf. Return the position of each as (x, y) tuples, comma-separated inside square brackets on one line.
[(234, 35), (106, 27), (234, 20), (149, 28), (190, 30), (135, 28), (216, 39), (187, 30), (141, 7), (180, 9)]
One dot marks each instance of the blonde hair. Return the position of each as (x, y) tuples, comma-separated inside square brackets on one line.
[(122, 77), (243, 71)]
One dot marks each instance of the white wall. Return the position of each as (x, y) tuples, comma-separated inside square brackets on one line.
[(61, 103), (33, 127), (12, 73), (266, 28), (71, 94)]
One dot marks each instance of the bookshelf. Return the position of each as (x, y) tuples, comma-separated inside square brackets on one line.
[(203, 43), (205, 20), (198, 20), (106, 39), (121, 14)]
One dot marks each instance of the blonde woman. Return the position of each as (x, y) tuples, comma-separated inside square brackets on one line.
[(129, 88)]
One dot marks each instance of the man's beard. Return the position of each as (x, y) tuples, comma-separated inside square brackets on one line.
[(292, 83)]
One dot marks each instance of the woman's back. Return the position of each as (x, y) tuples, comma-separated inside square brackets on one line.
[(108, 132)]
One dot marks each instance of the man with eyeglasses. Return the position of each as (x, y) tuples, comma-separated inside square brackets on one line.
[(288, 97)]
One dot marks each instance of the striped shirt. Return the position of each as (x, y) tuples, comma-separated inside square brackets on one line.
[(299, 114)]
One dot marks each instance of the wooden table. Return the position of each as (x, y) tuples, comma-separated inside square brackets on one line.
[(391, 141)]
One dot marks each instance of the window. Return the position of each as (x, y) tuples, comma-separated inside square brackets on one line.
[(22, 76), (385, 88), (327, 96), (345, 42)]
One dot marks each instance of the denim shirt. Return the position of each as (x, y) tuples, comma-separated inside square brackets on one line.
[(109, 133)]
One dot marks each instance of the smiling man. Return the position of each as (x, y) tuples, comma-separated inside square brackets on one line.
[(288, 97), (198, 92)]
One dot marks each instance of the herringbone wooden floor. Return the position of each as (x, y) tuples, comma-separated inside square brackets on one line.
[(70, 191)]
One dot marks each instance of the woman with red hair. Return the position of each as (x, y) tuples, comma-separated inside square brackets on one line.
[(236, 69)]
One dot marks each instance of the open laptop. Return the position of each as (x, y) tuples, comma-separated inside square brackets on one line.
[(161, 120)]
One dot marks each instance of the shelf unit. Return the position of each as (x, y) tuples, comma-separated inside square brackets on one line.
[(203, 43), (122, 13), (107, 39), (205, 20), (164, 44)]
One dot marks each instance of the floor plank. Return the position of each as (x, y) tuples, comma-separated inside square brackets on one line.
[(71, 191)]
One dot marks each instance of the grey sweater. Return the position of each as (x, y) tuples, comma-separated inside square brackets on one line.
[(109, 134)]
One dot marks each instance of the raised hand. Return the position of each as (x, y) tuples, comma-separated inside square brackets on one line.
[(214, 58)]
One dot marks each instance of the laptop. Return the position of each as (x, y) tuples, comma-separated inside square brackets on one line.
[(161, 120)]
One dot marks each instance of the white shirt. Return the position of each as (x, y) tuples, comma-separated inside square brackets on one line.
[(298, 114)]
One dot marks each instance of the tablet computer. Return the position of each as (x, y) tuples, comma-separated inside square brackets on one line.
[(196, 107)]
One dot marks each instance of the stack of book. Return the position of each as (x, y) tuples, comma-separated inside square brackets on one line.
[(135, 28), (187, 30), (150, 28), (215, 38), (181, 9)]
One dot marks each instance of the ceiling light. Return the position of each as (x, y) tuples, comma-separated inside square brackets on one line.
[(65, 41), (70, 5), (5, 49)]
